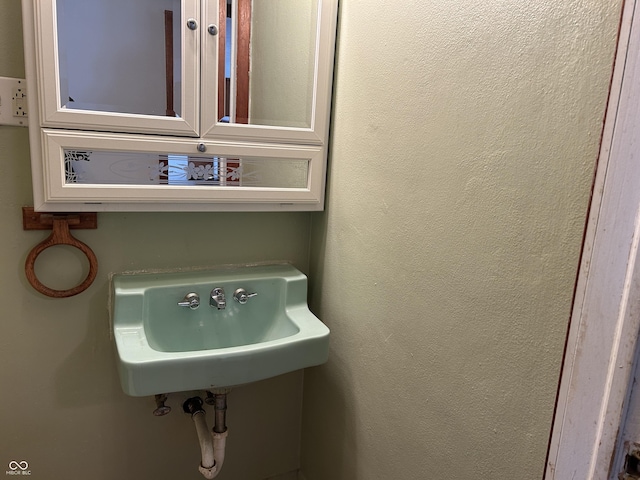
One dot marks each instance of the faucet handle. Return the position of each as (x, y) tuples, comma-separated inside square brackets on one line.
[(161, 408), (191, 300), (241, 296)]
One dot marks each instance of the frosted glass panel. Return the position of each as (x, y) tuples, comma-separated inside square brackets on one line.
[(120, 55), (137, 168)]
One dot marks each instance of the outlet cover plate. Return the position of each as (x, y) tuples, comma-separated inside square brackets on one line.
[(13, 101)]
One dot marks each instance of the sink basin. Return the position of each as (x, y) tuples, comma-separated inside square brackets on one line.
[(163, 347)]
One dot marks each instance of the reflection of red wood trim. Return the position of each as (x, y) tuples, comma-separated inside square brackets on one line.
[(163, 169), (168, 55), (168, 66), (230, 165), (222, 37), (242, 80)]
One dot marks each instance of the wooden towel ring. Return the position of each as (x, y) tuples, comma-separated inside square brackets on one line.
[(60, 236)]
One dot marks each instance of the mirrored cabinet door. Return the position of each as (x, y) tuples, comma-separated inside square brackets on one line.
[(134, 66), (119, 65), (267, 69)]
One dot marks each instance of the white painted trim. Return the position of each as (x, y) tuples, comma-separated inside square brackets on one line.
[(37, 174), (604, 326)]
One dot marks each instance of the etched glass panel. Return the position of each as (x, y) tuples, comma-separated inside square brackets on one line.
[(139, 168), (120, 55)]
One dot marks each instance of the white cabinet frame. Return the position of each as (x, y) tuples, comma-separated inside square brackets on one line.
[(54, 127)]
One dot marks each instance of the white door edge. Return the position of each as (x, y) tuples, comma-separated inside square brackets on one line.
[(605, 322)]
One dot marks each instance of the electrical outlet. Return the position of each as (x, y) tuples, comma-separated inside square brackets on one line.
[(19, 101), (13, 101)]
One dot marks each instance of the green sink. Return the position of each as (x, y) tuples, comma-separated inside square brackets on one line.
[(167, 344)]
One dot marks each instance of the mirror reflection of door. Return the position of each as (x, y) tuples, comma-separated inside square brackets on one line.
[(120, 56)]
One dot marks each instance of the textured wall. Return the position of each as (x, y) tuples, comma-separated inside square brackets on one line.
[(464, 140), (62, 409)]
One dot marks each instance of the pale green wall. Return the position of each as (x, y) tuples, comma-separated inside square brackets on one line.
[(62, 409), (464, 140)]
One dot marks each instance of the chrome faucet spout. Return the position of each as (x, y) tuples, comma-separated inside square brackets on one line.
[(217, 298)]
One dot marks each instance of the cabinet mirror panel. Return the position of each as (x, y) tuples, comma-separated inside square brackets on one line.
[(120, 55), (124, 56), (267, 51)]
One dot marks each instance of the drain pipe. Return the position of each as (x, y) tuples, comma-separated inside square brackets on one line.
[(219, 428), (212, 444)]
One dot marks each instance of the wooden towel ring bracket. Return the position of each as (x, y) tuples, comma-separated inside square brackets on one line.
[(59, 223)]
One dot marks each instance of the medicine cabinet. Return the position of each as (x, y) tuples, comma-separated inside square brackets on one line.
[(179, 104)]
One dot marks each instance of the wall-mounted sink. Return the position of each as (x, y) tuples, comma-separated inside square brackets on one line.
[(166, 343)]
